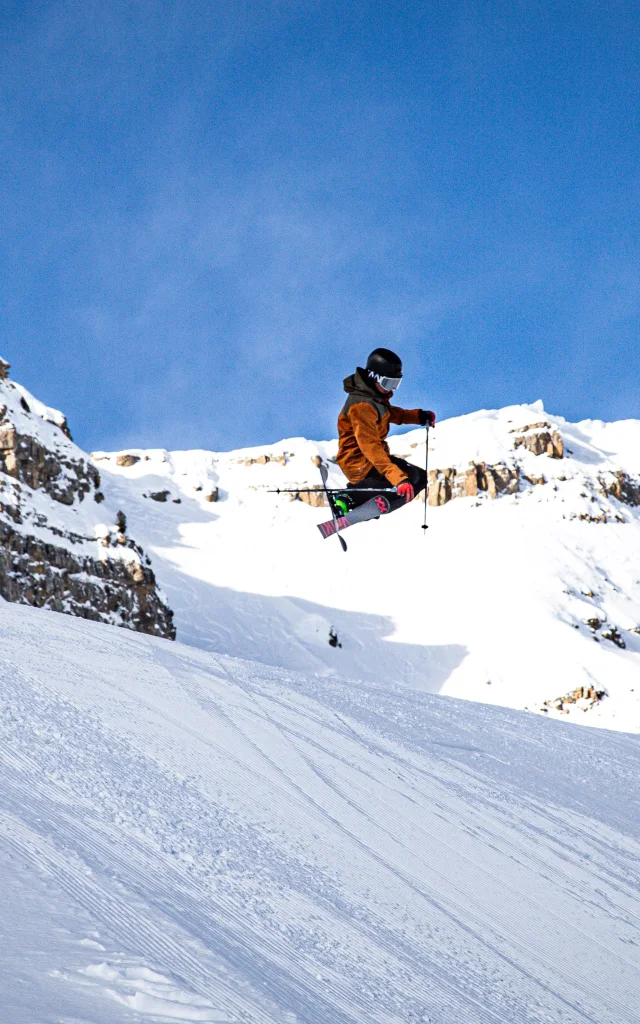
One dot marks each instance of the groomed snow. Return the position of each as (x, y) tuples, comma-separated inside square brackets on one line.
[(189, 837)]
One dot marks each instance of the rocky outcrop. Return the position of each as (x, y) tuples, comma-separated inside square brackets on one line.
[(540, 439), (584, 698), (536, 481), (55, 551), (588, 517), (609, 632), (127, 460), (262, 460), (314, 496), (25, 459), (621, 486), (447, 484), (613, 634), (111, 590)]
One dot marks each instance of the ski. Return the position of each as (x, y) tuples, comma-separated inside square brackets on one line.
[(371, 509), (324, 473)]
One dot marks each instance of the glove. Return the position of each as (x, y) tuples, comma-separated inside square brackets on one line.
[(405, 490), (427, 417)]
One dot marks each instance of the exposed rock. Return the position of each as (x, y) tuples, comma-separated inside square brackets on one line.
[(11, 510), (585, 697), (121, 522), (541, 439), (586, 517), (4, 369), (25, 459), (127, 460), (109, 590), (64, 427), (212, 495), (535, 480), (159, 495), (593, 623), (498, 480), (262, 460), (314, 496), (542, 425), (447, 484), (621, 486), (72, 572), (317, 461), (613, 633)]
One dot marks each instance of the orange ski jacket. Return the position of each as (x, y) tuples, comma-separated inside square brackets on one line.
[(363, 425)]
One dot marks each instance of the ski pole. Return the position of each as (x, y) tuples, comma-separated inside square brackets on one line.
[(324, 473), (426, 486), (332, 490)]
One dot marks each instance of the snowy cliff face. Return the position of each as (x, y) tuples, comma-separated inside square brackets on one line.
[(524, 591), (62, 546)]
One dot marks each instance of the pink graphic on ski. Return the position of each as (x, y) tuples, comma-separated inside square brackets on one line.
[(369, 510)]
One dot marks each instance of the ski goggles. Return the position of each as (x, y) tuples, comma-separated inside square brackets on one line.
[(388, 383)]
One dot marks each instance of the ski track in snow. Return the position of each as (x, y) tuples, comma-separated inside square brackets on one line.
[(194, 837)]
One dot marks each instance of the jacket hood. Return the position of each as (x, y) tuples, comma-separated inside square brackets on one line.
[(358, 385)]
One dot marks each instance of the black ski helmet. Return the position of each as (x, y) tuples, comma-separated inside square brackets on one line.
[(384, 363), (385, 367)]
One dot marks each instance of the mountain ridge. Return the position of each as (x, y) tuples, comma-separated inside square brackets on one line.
[(524, 591), (290, 820)]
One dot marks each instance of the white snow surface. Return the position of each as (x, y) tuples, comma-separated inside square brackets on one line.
[(490, 604), (192, 837)]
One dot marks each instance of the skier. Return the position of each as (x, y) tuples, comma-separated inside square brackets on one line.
[(363, 425)]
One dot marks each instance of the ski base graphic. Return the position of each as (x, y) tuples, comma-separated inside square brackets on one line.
[(371, 509)]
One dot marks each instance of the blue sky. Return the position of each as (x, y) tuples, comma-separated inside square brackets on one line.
[(212, 211)]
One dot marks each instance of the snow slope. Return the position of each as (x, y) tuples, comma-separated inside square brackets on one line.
[(189, 837), (492, 604)]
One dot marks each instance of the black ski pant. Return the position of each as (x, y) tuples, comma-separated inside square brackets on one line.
[(414, 474)]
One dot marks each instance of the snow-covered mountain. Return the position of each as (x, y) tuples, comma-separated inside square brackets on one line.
[(524, 591), (189, 837), (285, 819), (62, 546)]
